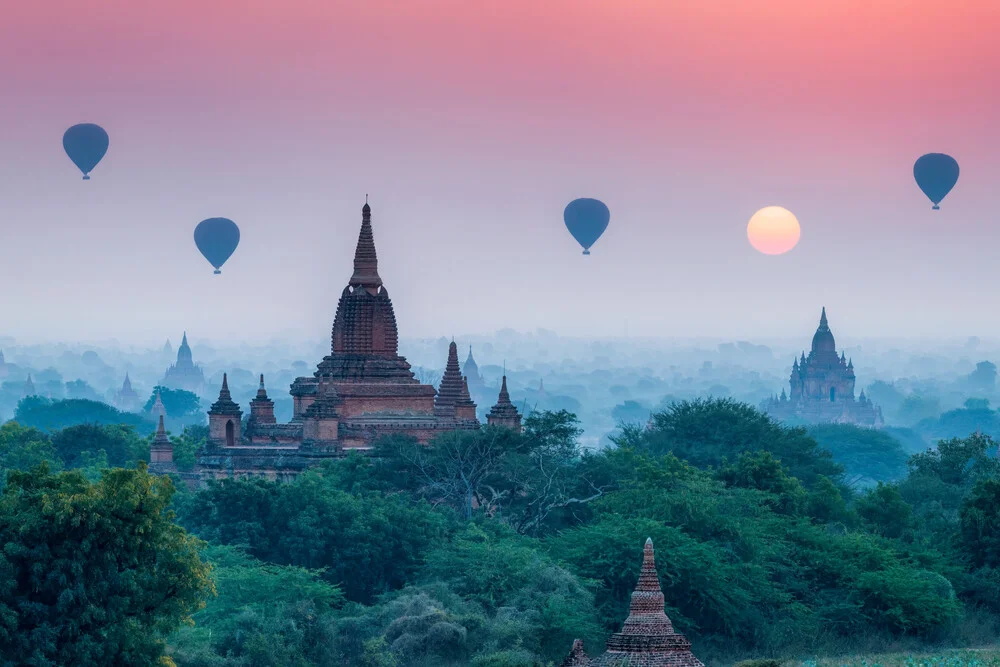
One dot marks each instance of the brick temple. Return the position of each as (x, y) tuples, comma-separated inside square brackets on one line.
[(648, 638), (822, 388), (359, 392)]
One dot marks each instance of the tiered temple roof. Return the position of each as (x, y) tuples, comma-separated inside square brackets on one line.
[(161, 452), (261, 407), (451, 389), (158, 409), (225, 405), (648, 638), (504, 413), (822, 386), (184, 374), (471, 371), (360, 391)]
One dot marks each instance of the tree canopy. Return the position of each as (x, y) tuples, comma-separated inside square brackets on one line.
[(93, 573)]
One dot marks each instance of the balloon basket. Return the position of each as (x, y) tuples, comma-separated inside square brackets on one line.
[(935, 208), (217, 272), (586, 252), (86, 177)]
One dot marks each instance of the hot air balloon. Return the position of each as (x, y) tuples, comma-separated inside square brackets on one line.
[(217, 239), (586, 220), (936, 174), (85, 144)]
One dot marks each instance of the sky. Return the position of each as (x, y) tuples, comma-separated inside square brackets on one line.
[(471, 125)]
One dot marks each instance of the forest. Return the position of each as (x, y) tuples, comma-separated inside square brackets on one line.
[(495, 548)]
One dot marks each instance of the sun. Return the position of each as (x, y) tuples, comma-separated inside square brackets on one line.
[(773, 230)]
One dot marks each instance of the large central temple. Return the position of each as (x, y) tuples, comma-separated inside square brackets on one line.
[(361, 391)]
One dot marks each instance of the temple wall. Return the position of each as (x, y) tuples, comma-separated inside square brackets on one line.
[(370, 405)]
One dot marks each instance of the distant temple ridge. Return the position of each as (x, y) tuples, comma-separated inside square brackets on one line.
[(126, 399), (471, 371), (359, 392), (822, 388), (647, 638), (184, 374)]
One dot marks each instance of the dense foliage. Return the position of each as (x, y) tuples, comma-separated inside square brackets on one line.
[(49, 415), (92, 573), (495, 548)]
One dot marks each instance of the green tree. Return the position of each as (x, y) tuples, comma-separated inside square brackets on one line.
[(865, 453), (22, 448), (78, 445), (178, 403), (93, 574), (980, 524), (884, 512), (367, 543), (706, 431), (49, 415)]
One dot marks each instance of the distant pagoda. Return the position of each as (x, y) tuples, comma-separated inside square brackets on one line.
[(648, 638), (504, 413), (126, 399), (471, 371), (184, 374), (822, 387)]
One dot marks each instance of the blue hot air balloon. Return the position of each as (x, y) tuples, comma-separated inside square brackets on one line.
[(86, 144), (217, 239), (936, 174), (586, 220)]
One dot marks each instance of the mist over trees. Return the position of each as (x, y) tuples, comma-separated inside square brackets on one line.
[(500, 548)]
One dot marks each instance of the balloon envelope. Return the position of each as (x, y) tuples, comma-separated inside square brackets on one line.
[(936, 174), (217, 238), (586, 219), (86, 144)]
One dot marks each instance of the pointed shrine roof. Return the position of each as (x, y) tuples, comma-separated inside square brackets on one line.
[(225, 405), (450, 392), (161, 435), (365, 259), (647, 638)]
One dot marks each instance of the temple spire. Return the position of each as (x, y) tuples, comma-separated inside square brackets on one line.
[(822, 320), (161, 433), (452, 386), (225, 405), (365, 259), (261, 391)]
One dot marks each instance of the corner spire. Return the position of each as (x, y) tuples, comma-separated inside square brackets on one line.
[(161, 433), (365, 259), (452, 384)]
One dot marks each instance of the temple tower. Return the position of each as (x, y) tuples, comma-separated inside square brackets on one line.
[(126, 399), (504, 413), (29, 388), (648, 637), (365, 323), (452, 387), (184, 374), (465, 408), (225, 419), (261, 407), (471, 371), (157, 409), (161, 452)]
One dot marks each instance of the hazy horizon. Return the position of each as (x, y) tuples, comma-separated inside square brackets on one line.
[(471, 128)]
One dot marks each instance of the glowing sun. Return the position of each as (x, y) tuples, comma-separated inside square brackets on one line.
[(773, 230)]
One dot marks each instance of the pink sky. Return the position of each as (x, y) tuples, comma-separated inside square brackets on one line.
[(472, 124)]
